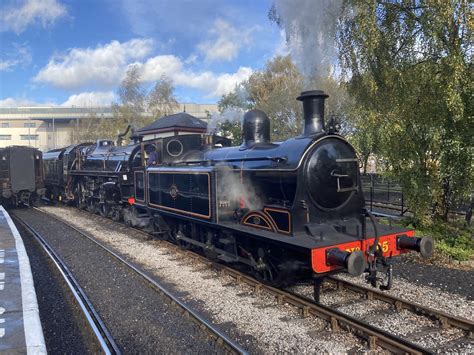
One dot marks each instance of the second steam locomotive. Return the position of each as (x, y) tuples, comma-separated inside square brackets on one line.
[(287, 210)]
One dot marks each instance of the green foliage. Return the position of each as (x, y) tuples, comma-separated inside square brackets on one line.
[(161, 100), (274, 90), (452, 239), (136, 107), (233, 101), (409, 68)]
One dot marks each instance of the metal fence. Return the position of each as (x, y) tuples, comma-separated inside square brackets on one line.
[(382, 194)]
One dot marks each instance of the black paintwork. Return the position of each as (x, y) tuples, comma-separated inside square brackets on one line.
[(175, 121), (21, 174), (313, 111), (255, 128)]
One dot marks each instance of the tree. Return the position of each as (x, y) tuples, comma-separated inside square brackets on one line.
[(274, 90), (136, 106), (91, 128), (409, 68), (161, 100), (233, 102), (132, 100), (131, 92)]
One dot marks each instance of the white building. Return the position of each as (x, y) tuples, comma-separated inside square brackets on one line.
[(51, 127)]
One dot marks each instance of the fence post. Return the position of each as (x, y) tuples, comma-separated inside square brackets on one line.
[(371, 192), (388, 191), (403, 203)]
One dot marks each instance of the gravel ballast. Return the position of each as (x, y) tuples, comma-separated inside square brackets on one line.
[(257, 322), (64, 325), (260, 323), (139, 318)]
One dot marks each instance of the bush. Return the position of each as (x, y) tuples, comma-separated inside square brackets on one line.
[(452, 239)]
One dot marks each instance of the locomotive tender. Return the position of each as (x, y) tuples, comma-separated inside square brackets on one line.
[(21, 175), (288, 210)]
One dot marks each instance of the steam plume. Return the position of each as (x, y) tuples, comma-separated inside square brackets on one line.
[(230, 115), (310, 27)]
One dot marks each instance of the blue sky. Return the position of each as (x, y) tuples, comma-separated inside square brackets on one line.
[(75, 52)]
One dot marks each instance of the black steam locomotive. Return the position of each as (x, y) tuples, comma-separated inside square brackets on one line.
[(21, 175), (287, 210)]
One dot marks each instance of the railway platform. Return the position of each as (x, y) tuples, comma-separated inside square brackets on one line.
[(20, 325)]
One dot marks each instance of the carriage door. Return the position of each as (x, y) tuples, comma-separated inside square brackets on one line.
[(138, 169)]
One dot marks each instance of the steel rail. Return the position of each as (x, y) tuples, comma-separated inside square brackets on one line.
[(216, 334), (445, 319), (338, 320), (96, 324)]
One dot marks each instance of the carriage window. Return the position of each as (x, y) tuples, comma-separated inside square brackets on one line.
[(3, 167), (137, 160), (152, 155), (174, 147), (140, 185)]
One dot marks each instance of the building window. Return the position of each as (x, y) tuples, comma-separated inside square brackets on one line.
[(5, 125), (28, 137), (5, 137), (29, 125)]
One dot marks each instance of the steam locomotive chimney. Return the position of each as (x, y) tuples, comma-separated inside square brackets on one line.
[(313, 111), (121, 135)]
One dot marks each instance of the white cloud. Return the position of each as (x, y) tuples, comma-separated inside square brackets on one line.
[(21, 55), (225, 43), (20, 102), (102, 66), (6, 65), (84, 99), (105, 66), (31, 12), (212, 84), (88, 99), (160, 65)]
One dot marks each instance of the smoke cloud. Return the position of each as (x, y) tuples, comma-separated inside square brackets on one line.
[(310, 27), (234, 189), (230, 115)]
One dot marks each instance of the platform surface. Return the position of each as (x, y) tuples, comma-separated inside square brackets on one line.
[(20, 325)]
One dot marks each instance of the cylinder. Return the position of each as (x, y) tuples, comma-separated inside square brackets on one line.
[(354, 262), (313, 111), (423, 245)]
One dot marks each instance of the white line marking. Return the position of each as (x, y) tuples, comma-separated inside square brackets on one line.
[(2, 256), (33, 332), (2, 330)]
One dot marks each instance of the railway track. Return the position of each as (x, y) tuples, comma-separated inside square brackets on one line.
[(96, 325), (445, 320), (374, 336), (104, 337)]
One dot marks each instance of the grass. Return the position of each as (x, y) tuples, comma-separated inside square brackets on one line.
[(453, 239)]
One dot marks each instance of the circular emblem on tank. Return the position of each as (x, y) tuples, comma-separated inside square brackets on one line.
[(174, 192)]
